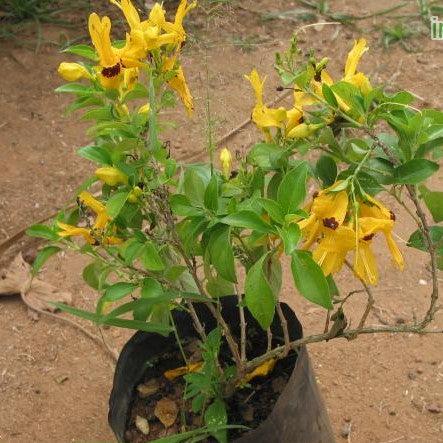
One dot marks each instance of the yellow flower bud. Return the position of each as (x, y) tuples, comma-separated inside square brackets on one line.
[(72, 71), (226, 161), (122, 109), (144, 109), (111, 176), (303, 130), (134, 194)]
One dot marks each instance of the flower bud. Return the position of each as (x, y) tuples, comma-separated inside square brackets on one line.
[(144, 109), (134, 194), (111, 176), (72, 71), (303, 130), (226, 161)]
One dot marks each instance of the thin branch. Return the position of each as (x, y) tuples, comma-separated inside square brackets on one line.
[(243, 325), (284, 325)]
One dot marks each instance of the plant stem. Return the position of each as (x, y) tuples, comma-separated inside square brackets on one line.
[(284, 325)]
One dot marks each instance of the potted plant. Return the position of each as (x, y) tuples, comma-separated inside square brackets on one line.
[(190, 255)]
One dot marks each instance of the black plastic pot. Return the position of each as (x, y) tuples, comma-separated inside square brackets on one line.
[(299, 415)]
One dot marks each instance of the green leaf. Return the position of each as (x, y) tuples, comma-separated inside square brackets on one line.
[(96, 154), (196, 178), (75, 88), (42, 231), (82, 50), (211, 194), (152, 292), (248, 220), (273, 209), (265, 155), (111, 321), (259, 297), (221, 254), (131, 250), (43, 256), (292, 190), (95, 274), (414, 171), (290, 235), (329, 95), (218, 287), (216, 419), (182, 207), (417, 241), (117, 291), (309, 279), (115, 203), (150, 258), (434, 202), (326, 170)]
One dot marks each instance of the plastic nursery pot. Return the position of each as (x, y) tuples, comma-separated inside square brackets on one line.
[(298, 416)]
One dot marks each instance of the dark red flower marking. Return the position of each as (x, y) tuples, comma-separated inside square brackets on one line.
[(368, 237), (331, 223), (393, 218), (111, 72)]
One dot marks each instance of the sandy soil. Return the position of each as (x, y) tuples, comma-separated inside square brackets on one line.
[(381, 387)]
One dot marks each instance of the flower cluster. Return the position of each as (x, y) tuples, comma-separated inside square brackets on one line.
[(338, 230), (155, 38), (295, 123)]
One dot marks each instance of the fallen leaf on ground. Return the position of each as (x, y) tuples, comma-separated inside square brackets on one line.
[(146, 389), (17, 279), (182, 370), (260, 371), (166, 411)]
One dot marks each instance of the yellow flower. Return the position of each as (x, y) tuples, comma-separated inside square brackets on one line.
[(327, 212), (226, 161), (113, 61), (111, 176), (96, 234), (372, 208), (178, 83), (332, 249), (72, 71), (129, 11), (177, 27), (358, 79), (263, 116), (75, 231)]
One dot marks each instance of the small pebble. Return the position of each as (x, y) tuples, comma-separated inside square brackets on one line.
[(419, 371), (346, 430), (392, 412), (434, 408), (142, 425), (422, 282), (412, 375)]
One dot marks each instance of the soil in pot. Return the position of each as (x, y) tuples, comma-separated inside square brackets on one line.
[(159, 400)]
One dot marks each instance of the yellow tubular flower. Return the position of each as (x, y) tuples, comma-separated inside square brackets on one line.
[(178, 84), (129, 11), (331, 251), (75, 231), (358, 79), (263, 116), (72, 71), (327, 212), (226, 161), (111, 176), (372, 208), (365, 265), (88, 200), (177, 27)]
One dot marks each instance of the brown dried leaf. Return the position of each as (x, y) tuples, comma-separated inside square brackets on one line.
[(166, 411), (142, 425), (17, 279), (150, 387)]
